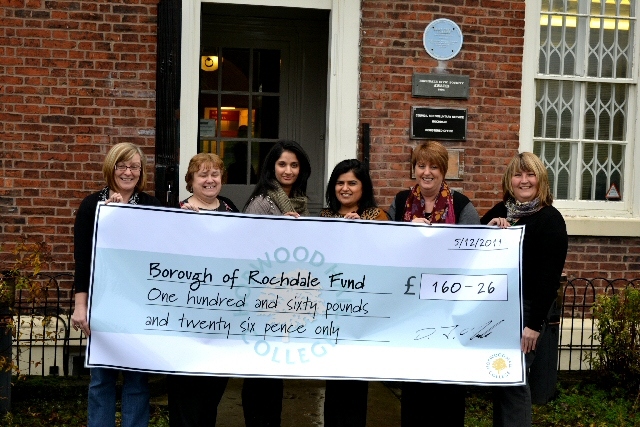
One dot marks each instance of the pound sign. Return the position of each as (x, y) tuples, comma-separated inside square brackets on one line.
[(409, 285)]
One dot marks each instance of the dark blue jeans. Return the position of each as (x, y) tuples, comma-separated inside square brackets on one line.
[(102, 398)]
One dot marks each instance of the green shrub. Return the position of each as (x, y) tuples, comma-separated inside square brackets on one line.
[(618, 330)]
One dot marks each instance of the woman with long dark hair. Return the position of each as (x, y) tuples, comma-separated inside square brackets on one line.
[(350, 193), (350, 196), (282, 186), (281, 190)]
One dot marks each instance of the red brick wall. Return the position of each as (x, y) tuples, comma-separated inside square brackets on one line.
[(491, 55), (608, 257), (76, 77), (392, 51), (614, 259)]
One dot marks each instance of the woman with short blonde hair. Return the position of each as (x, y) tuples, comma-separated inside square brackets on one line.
[(124, 170), (527, 201), (531, 163), (123, 152)]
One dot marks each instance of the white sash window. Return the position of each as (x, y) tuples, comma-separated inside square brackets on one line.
[(579, 100)]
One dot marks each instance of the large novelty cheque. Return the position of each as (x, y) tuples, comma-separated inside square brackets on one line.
[(241, 295)]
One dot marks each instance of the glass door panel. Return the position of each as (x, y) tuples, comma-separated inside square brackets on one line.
[(266, 69), (239, 107), (235, 70)]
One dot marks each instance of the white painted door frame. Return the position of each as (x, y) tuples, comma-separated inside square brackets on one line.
[(343, 77)]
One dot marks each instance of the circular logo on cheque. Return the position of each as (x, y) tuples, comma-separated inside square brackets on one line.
[(499, 365), (291, 305)]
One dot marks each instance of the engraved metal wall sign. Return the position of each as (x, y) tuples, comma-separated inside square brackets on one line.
[(442, 39), (440, 86), (438, 123)]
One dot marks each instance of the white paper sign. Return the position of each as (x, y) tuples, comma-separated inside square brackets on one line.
[(241, 295)]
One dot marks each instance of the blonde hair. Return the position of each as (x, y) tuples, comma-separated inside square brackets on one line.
[(123, 152), (208, 160), (433, 153), (528, 162)]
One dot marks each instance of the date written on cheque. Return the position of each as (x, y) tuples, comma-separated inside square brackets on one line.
[(459, 287), (477, 243)]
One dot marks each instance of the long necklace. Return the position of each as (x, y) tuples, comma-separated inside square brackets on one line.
[(427, 215)]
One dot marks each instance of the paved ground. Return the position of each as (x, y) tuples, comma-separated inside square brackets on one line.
[(303, 402)]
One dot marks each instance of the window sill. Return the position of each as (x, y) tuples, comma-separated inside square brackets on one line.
[(602, 226)]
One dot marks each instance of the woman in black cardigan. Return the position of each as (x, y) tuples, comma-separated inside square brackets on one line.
[(124, 171), (527, 201)]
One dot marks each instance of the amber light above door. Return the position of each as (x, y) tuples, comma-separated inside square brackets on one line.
[(209, 63)]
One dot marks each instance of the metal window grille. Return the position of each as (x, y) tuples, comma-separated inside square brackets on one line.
[(583, 87)]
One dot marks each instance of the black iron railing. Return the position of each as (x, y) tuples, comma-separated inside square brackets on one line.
[(43, 341), (577, 327)]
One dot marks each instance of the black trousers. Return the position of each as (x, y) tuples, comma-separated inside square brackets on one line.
[(193, 400), (425, 404), (512, 405), (345, 403), (262, 401)]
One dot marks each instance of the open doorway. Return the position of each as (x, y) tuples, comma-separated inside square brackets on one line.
[(263, 77)]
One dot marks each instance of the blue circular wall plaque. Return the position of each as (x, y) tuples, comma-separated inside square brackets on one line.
[(442, 39)]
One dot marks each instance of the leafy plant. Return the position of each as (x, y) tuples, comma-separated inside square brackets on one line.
[(20, 272), (618, 331), (585, 404)]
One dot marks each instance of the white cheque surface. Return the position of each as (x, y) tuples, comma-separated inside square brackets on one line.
[(240, 295)]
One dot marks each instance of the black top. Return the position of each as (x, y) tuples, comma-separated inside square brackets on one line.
[(226, 205), (544, 249), (83, 235)]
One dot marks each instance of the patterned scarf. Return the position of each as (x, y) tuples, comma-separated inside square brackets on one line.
[(517, 210), (442, 209), (288, 204), (104, 195), (370, 213)]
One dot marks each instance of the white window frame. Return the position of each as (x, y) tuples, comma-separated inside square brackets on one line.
[(343, 76), (593, 218)]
